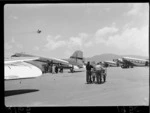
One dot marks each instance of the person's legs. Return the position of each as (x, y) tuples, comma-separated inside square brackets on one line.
[(104, 77), (97, 77), (93, 77), (87, 77), (90, 77), (100, 77)]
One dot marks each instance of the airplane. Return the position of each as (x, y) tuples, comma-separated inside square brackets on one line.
[(18, 68), (74, 62), (39, 31), (127, 62), (110, 64)]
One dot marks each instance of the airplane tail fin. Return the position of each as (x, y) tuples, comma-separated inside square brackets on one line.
[(77, 55), (77, 58)]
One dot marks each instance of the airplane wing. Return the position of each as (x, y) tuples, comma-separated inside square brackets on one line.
[(53, 61), (17, 68), (42, 59), (68, 63), (19, 59)]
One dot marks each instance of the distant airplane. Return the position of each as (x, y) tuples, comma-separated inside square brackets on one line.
[(75, 61), (127, 62), (17, 68), (109, 64), (39, 31)]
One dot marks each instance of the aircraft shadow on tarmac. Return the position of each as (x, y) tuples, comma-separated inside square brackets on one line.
[(75, 71), (20, 91)]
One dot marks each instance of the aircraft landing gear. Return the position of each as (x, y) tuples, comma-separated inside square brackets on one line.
[(71, 70), (125, 66), (146, 63)]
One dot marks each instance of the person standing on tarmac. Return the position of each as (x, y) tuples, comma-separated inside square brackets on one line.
[(98, 68), (104, 73), (56, 69), (53, 69), (60, 68), (88, 73)]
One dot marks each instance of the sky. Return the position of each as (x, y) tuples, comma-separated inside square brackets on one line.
[(94, 28)]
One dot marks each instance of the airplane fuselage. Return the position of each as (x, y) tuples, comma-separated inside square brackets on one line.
[(131, 62)]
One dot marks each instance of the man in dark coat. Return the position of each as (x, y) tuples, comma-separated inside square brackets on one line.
[(56, 69), (88, 73)]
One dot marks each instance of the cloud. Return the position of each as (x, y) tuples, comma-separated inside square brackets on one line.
[(13, 17), (131, 38), (57, 37), (35, 48), (7, 46), (107, 9), (20, 46), (84, 36), (136, 9), (53, 43), (88, 44), (13, 40), (75, 41), (102, 35), (81, 41)]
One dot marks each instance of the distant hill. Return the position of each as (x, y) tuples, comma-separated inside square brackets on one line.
[(109, 56)]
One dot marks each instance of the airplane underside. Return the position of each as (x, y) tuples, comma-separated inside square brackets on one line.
[(133, 65), (21, 71)]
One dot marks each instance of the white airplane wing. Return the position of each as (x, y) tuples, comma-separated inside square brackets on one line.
[(59, 60), (18, 69), (19, 59)]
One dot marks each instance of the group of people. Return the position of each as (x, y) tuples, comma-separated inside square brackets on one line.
[(52, 68), (95, 73)]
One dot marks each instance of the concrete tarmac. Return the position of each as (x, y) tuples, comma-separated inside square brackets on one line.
[(123, 87)]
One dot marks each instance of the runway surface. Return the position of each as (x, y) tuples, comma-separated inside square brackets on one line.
[(123, 87)]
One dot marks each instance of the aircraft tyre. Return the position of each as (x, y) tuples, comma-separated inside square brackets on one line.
[(71, 70), (146, 64), (122, 66)]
